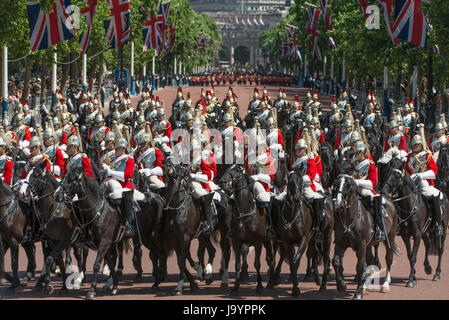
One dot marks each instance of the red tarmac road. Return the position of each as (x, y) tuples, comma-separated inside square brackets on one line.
[(426, 289)]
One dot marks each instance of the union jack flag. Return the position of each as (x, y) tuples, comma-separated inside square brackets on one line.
[(118, 26), (410, 24), (201, 42), (291, 32), (88, 13), (316, 50), (48, 29), (314, 15), (153, 32), (332, 43), (387, 8), (327, 19)]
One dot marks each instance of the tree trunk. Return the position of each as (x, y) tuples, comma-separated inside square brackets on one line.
[(26, 84), (76, 75), (90, 77), (44, 80), (398, 87), (65, 75)]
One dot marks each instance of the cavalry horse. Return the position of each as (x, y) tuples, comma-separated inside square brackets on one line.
[(354, 229), (415, 220), (248, 225)]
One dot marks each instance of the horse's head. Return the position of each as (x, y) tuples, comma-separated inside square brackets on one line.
[(295, 186), (232, 179), (397, 178), (71, 185), (343, 190), (40, 180)]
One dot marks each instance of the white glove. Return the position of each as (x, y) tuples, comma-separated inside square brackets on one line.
[(306, 180), (336, 153), (199, 177), (146, 172), (429, 174), (118, 175), (165, 139), (105, 167), (262, 177)]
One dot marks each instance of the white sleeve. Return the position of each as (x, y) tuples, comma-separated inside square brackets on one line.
[(25, 143), (429, 174), (306, 180), (200, 177), (264, 178), (118, 175), (165, 139), (364, 183), (56, 170)]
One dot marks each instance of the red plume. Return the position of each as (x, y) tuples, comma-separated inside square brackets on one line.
[(334, 99), (297, 99), (188, 95)]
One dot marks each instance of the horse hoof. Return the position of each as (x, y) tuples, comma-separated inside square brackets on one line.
[(178, 293), (244, 278), (295, 292), (194, 287), (410, 284), (24, 282), (138, 278), (270, 285), (38, 287), (365, 291), (209, 281), (48, 290), (318, 281), (277, 280), (259, 290), (235, 293), (63, 292), (224, 285), (10, 291), (436, 277), (91, 295), (114, 292), (428, 270), (341, 287), (155, 287), (358, 296), (323, 288), (385, 289)]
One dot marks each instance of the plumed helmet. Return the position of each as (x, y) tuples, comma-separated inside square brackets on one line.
[(270, 121), (110, 136), (348, 123), (161, 112), (73, 141), (48, 133), (164, 125), (189, 116), (99, 118), (121, 143), (227, 117), (359, 147), (19, 117), (314, 120), (309, 118), (55, 121), (2, 142), (301, 144), (141, 120), (417, 139), (143, 137), (64, 116), (393, 124), (355, 136), (439, 126), (35, 141)]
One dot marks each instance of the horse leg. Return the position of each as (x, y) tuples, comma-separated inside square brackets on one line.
[(257, 252), (389, 260), (269, 248), (376, 256), (237, 246), (14, 249), (277, 272), (31, 268), (436, 276), (326, 261), (137, 262), (102, 249), (360, 268), (60, 262), (315, 260), (412, 279), (211, 256), (54, 256), (244, 276), (226, 255), (78, 256), (68, 258), (296, 260), (427, 266), (120, 259), (200, 254), (111, 258), (85, 252), (309, 272), (337, 263)]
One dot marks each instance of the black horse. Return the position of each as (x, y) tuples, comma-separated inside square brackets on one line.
[(248, 225), (415, 219), (354, 229)]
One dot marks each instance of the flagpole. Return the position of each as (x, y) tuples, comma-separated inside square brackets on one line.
[(415, 86), (84, 73), (332, 76), (5, 81), (343, 73), (174, 74), (323, 85), (385, 91), (153, 66), (144, 79), (132, 69), (53, 79)]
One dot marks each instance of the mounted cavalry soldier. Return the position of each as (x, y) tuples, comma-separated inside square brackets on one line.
[(6, 163), (365, 178), (120, 171), (370, 119), (99, 126), (23, 132), (60, 134), (343, 136), (108, 154), (178, 103), (395, 138), (423, 170), (149, 161), (231, 133), (56, 156), (439, 139), (274, 138), (253, 104), (409, 118)]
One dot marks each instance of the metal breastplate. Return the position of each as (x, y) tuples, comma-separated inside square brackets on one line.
[(147, 160), (119, 164), (362, 172)]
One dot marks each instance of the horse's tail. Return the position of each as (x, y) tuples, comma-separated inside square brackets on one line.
[(434, 244)]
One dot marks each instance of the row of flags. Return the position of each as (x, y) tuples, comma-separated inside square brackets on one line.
[(50, 28), (241, 20), (291, 49)]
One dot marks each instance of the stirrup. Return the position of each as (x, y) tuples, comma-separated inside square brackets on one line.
[(380, 235), (439, 231), (319, 236), (129, 231), (27, 237)]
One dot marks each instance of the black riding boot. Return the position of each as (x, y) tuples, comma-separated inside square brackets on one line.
[(266, 209), (378, 219), (318, 208), (437, 215), (129, 210), (206, 203), (28, 234)]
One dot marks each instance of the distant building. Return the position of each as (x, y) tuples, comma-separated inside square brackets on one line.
[(241, 23)]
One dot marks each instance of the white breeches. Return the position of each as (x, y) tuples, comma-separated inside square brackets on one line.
[(366, 192), (260, 193), (166, 149), (156, 183), (428, 190), (116, 191), (312, 195), (198, 191)]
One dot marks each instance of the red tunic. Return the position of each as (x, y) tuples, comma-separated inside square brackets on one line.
[(47, 166), (87, 167), (402, 145), (157, 163), (206, 169), (319, 165), (431, 165), (63, 139), (7, 172), (60, 161)]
